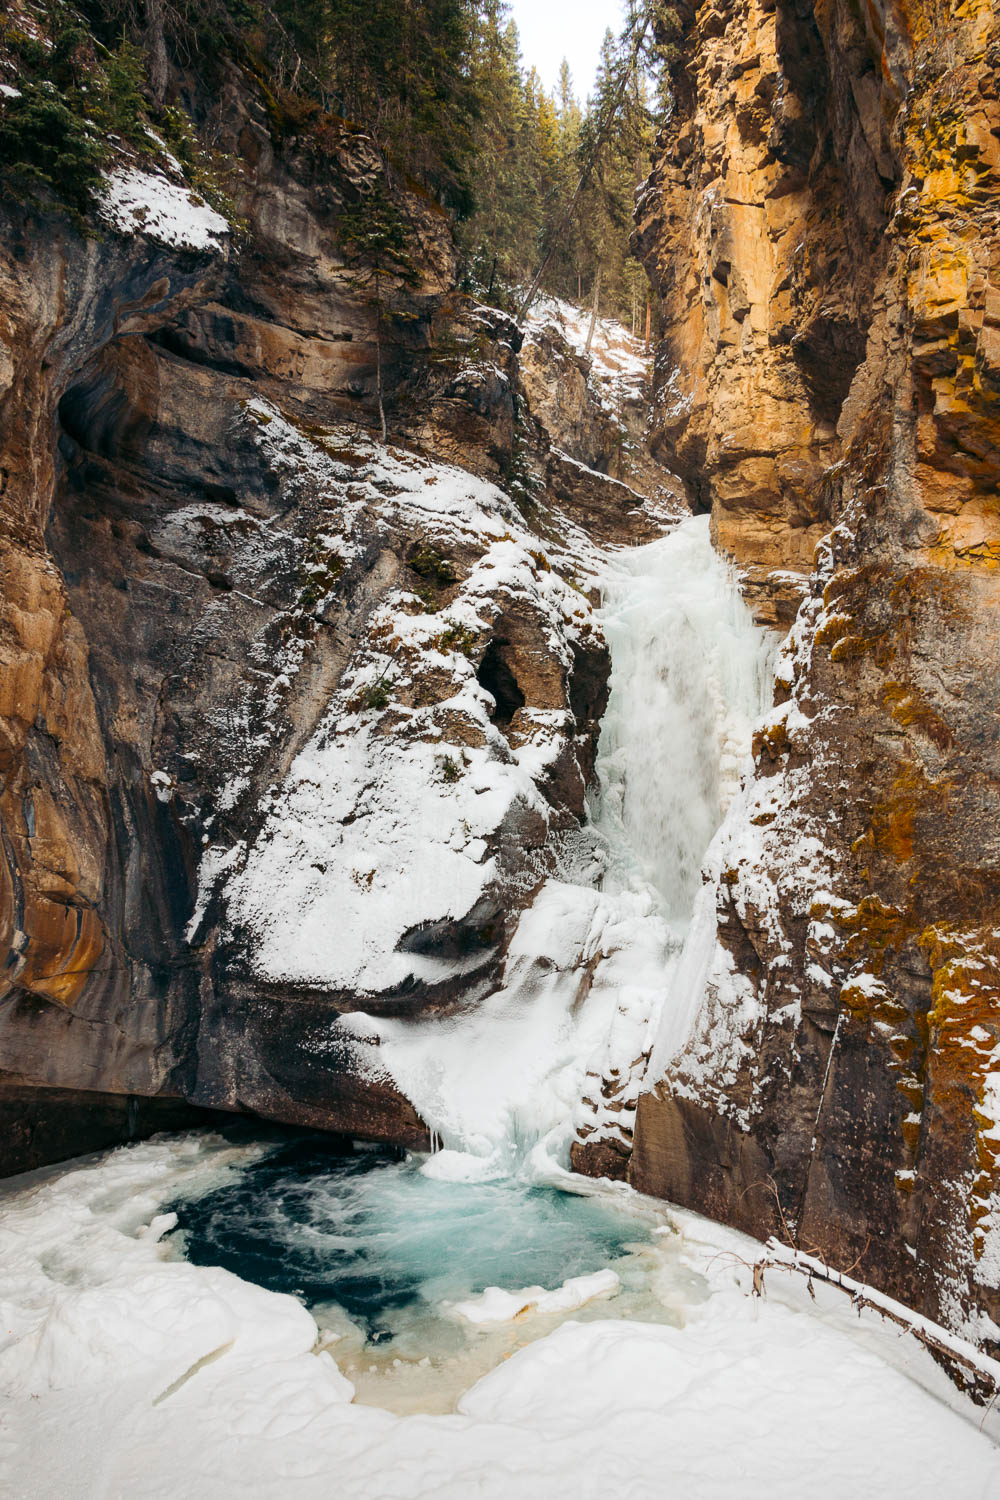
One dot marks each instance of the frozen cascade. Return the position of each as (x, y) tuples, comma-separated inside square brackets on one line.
[(588, 971), (690, 675)]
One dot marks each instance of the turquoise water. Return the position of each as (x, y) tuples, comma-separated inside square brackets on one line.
[(387, 1244)]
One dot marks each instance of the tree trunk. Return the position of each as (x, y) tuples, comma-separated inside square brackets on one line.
[(156, 43), (593, 311), (378, 358), (649, 315)]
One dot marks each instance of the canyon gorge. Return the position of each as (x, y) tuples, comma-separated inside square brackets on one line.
[(313, 779)]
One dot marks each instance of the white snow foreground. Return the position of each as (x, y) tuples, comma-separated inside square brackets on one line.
[(137, 202), (126, 1373)]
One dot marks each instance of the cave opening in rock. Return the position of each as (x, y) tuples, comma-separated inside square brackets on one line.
[(497, 677)]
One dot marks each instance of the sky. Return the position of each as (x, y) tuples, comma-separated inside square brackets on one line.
[(553, 29)]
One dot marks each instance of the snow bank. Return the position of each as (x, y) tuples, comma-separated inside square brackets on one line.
[(137, 202), (614, 352), (124, 1373)]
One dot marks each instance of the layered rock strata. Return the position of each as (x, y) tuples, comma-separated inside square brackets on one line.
[(822, 220), (287, 718)]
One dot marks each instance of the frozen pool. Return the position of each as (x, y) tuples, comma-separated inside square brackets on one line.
[(125, 1370), (392, 1262)]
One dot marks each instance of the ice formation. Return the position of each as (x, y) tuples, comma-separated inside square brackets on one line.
[(592, 963)]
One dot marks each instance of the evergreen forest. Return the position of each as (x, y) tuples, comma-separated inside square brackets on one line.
[(535, 182)]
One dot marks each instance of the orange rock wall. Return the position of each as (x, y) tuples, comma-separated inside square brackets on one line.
[(844, 161)]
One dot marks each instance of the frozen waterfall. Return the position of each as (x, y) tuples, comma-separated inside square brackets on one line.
[(588, 971), (690, 674)]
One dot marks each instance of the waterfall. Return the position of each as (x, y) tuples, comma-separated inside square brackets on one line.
[(589, 969), (690, 672)]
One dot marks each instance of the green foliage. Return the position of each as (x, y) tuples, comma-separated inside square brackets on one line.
[(48, 151), (519, 479), (377, 695), (377, 237), (80, 98), (666, 52), (118, 103), (436, 571), (458, 638), (398, 68), (439, 85), (451, 771), (212, 174), (503, 233), (533, 150), (428, 563), (74, 95)]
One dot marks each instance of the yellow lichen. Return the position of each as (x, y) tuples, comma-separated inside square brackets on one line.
[(892, 821), (964, 1046), (910, 708)]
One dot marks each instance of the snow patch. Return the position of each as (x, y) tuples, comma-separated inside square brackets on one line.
[(136, 202)]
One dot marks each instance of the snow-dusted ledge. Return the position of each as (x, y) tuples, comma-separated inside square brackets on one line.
[(136, 202)]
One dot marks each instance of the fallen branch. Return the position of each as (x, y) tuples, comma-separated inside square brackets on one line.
[(949, 1347)]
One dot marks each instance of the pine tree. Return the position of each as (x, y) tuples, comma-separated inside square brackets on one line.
[(377, 241), (503, 231), (614, 137)]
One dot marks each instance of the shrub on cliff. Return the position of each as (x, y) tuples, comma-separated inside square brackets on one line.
[(48, 151), (73, 95)]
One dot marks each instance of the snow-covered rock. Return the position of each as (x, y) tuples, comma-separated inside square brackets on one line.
[(138, 202)]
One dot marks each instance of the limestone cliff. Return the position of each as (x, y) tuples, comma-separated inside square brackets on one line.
[(287, 719), (822, 223)]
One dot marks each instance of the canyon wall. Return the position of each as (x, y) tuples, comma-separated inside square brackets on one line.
[(822, 222), (292, 724), (288, 721)]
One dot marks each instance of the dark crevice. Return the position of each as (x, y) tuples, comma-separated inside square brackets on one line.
[(497, 677)]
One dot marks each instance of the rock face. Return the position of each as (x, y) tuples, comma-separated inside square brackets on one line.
[(594, 411), (764, 225), (822, 223), (287, 719)]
